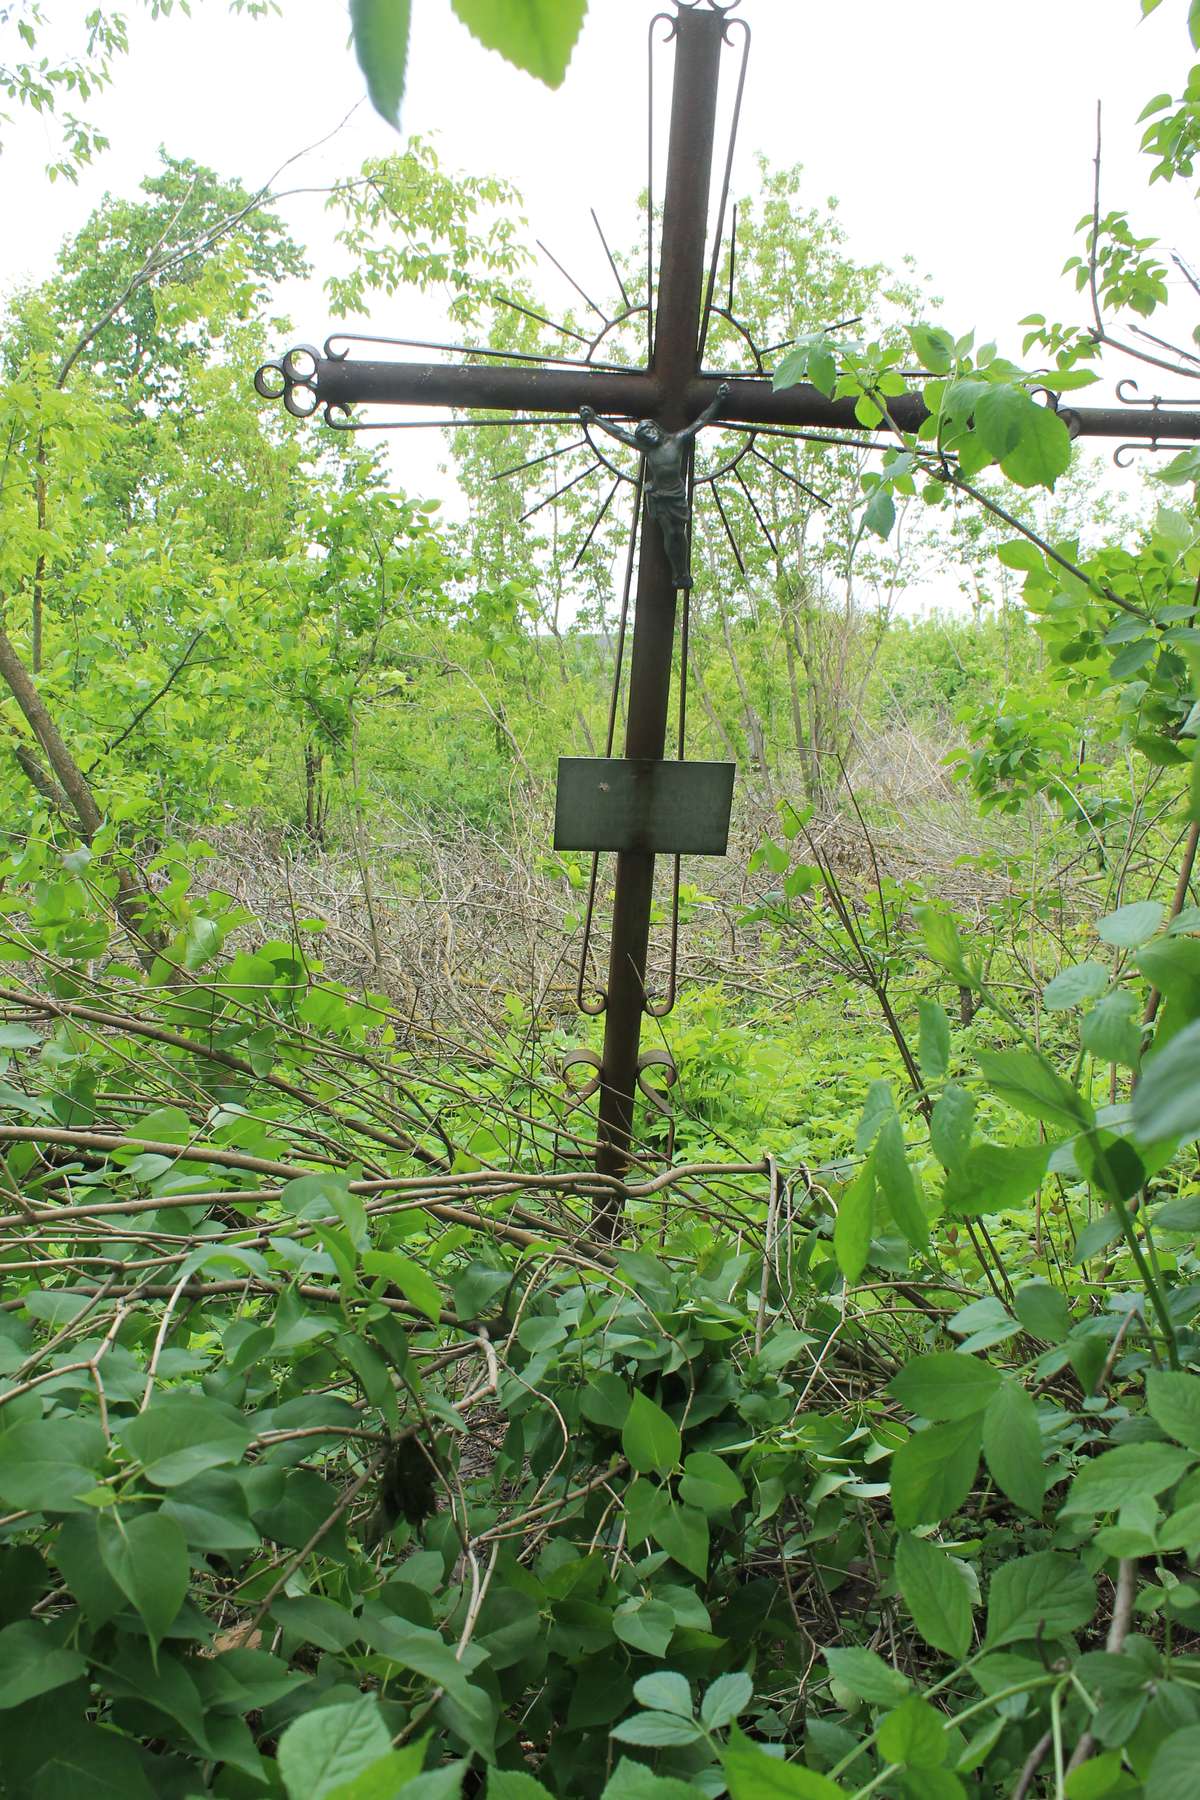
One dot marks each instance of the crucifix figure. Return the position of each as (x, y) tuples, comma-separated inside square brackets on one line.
[(640, 805), (666, 460)]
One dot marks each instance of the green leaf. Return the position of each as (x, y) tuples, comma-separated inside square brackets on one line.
[(1131, 926), (381, 29), (445, 1783), (878, 1108), (1110, 1165), (1172, 1774), (46, 1464), (782, 1347), (414, 1284), (1173, 1401), (753, 1775), (1131, 658), (31, 1663), (1110, 1032), (951, 1125), (77, 1554), (1110, 1480), (1096, 1236), (933, 1052), (1046, 1589), (650, 1439), (165, 1125), (94, 1762), (934, 348), (880, 513), (933, 1470), (665, 1692), (1020, 554), (163, 1682), (656, 1730), (509, 1784), (645, 1504), (853, 1225), (326, 1748), (1167, 1101), (634, 1781), (1181, 1530), (725, 1700), (1030, 1084), (1043, 1311), (18, 1037), (682, 1531), (980, 1747), (709, 1483), (315, 1620), (1012, 1447), (868, 1676), (822, 368), (536, 35), (605, 1400), (416, 1647), (1173, 965), (316, 1196), (647, 1625), (792, 369), (913, 1735), (1071, 987), (935, 1594), (181, 1435), (147, 1557), (1042, 451), (212, 1513), (1001, 418), (1179, 1215), (945, 1385), (942, 942), (389, 1777), (932, 1784), (896, 1183), (983, 1323)]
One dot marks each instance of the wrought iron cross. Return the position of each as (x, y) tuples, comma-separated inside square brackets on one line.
[(640, 805)]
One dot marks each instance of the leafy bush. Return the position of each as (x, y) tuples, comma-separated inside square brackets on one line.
[(336, 1464)]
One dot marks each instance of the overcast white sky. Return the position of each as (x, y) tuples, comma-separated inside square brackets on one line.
[(957, 131)]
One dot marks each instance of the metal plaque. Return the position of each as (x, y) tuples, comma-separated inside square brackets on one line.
[(667, 808)]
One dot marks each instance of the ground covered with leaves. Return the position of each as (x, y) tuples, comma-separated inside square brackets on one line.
[(335, 1463)]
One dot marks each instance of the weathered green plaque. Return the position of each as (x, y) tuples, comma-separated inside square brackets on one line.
[(632, 803)]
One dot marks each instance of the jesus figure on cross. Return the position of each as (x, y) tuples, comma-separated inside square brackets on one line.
[(666, 462)]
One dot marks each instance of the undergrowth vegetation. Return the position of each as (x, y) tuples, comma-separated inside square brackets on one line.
[(346, 1451)]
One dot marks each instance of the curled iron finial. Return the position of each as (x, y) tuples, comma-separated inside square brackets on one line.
[(292, 379), (581, 1090), (1067, 414), (723, 10), (1133, 398), (658, 1096), (1124, 454)]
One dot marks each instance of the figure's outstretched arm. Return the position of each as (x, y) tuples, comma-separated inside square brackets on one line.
[(708, 415), (591, 417)]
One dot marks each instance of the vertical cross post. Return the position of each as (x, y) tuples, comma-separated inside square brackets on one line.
[(673, 367)]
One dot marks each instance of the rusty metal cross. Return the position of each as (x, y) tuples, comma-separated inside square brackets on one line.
[(673, 389)]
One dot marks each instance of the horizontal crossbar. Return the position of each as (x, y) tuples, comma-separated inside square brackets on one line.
[(637, 395)]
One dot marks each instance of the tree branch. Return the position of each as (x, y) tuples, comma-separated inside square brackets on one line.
[(132, 898)]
